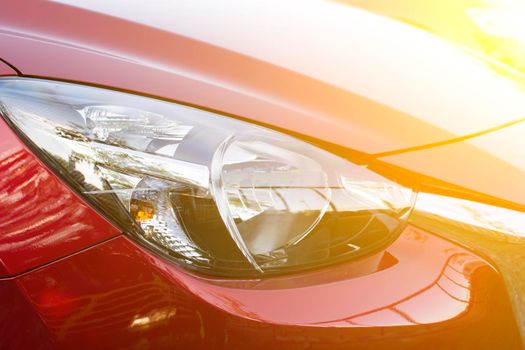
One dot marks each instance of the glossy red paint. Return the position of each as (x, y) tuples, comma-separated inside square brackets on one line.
[(42, 220), (21, 327), (178, 83), (253, 79), (118, 295), (6, 70), (424, 292)]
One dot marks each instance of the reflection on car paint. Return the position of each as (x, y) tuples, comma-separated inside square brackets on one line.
[(42, 220), (119, 295)]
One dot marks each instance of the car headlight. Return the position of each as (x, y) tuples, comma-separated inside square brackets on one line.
[(216, 194)]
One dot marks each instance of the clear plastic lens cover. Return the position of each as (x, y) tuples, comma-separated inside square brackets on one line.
[(216, 194)]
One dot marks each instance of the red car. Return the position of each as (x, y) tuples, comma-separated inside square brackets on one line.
[(255, 174)]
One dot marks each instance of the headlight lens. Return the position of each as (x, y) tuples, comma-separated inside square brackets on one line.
[(216, 194)]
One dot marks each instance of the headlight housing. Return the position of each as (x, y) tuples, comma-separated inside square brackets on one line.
[(216, 194)]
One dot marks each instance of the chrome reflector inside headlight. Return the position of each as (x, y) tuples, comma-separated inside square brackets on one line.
[(216, 194)]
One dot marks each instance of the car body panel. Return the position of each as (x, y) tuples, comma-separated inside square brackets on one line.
[(6, 70), (493, 164), (452, 299), (371, 84), (21, 326), (42, 219), (340, 91)]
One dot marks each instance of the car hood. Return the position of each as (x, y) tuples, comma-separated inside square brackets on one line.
[(318, 68)]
